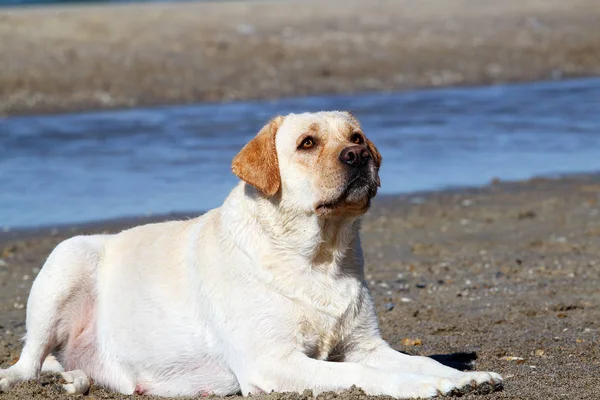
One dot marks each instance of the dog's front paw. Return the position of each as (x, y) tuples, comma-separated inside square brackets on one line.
[(11, 376), (480, 382), (5, 382)]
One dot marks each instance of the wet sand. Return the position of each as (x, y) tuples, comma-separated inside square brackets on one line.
[(61, 59), (509, 271)]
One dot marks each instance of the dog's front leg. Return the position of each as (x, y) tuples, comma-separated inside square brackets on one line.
[(378, 354), (298, 372)]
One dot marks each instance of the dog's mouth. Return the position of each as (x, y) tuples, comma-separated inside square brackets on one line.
[(324, 207), (354, 198)]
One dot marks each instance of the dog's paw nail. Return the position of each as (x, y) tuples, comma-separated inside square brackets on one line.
[(496, 378), (445, 386), (67, 377), (69, 388), (5, 384)]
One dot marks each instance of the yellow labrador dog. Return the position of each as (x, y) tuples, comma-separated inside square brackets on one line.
[(265, 293)]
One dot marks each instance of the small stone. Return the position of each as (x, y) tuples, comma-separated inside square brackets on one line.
[(389, 306), (421, 285), (512, 358), (404, 287), (9, 251), (539, 352), (405, 300), (411, 342)]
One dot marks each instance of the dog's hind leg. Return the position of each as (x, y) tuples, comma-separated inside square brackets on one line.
[(53, 309)]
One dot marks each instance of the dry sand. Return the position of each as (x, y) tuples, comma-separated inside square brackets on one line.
[(509, 270), (59, 59)]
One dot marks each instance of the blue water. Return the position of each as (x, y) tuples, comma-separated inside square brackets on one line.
[(81, 167)]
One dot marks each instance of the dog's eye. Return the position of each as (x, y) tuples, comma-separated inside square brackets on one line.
[(357, 138), (307, 143)]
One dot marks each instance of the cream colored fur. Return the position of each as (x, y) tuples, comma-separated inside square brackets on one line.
[(263, 293)]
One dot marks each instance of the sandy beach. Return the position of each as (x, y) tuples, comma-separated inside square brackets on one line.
[(509, 271), (63, 59)]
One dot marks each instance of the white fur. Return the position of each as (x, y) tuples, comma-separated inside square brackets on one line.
[(254, 296)]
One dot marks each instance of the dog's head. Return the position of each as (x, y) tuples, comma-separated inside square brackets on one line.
[(317, 162)]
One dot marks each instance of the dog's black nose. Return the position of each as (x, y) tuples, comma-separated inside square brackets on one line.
[(355, 156)]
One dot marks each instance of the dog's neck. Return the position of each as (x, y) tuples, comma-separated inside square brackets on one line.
[(294, 237)]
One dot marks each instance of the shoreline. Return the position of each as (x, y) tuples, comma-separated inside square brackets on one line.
[(92, 57), (115, 224), (150, 107)]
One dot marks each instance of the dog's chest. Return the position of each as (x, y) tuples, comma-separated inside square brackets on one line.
[(323, 329)]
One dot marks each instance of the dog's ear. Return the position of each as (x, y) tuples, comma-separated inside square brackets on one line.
[(257, 164), (376, 157), (374, 153)]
